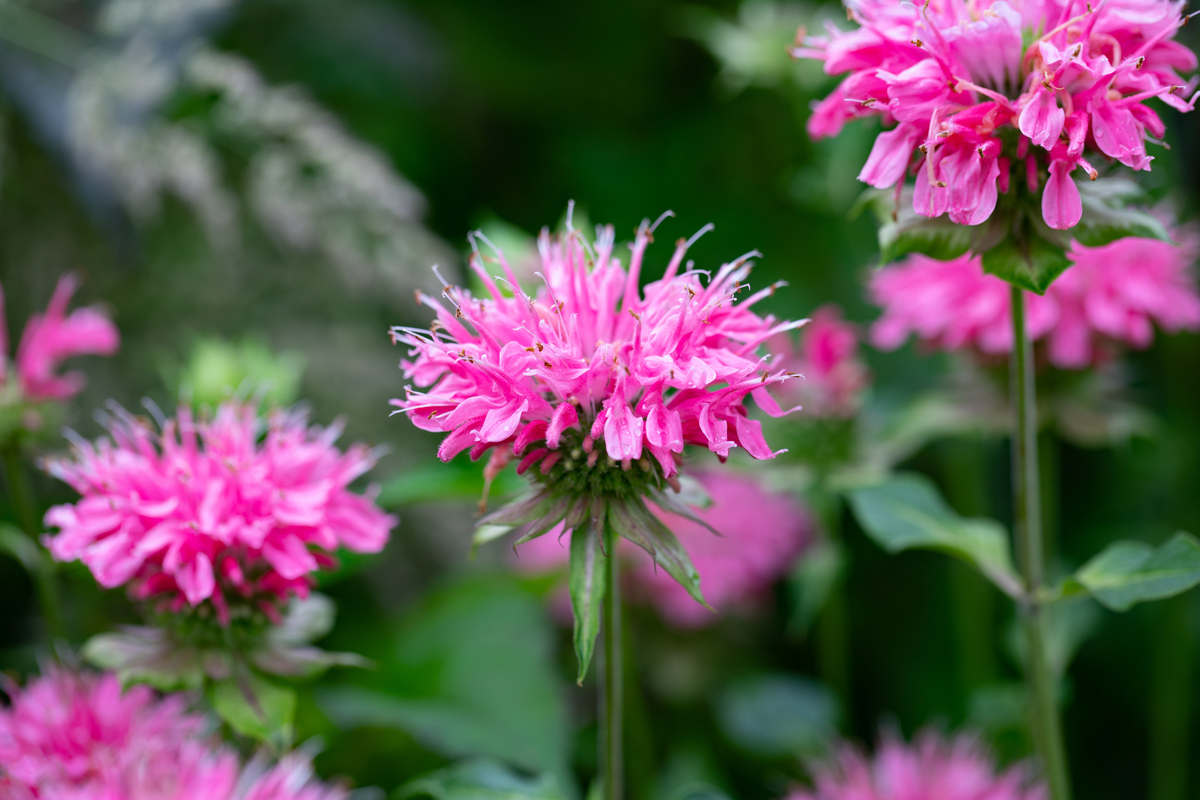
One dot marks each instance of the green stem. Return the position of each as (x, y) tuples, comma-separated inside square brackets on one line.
[(1047, 732), (832, 635), (1174, 660), (21, 495), (611, 696)]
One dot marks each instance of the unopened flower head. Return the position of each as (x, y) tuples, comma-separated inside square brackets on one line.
[(80, 736), (982, 97), (229, 513), (1110, 297), (832, 375), (932, 766), (592, 379), (52, 337), (763, 532)]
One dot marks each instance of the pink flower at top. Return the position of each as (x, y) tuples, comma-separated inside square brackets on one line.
[(930, 767), (593, 358), (70, 736), (80, 736), (1110, 296), (52, 337), (832, 376), (763, 533), (979, 95), (229, 510)]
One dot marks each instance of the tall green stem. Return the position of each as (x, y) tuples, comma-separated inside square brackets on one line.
[(21, 495), (1047, 731), (611, 696), (833, 640), (1174, 661)]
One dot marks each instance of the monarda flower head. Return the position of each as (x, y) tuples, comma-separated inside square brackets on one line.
[(986, 96), (1110, 297), (80, 736), (764, 531), (595, 384), (231, 514), (931, 767), (832, 375)]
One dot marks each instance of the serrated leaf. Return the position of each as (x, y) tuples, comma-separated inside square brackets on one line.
[(909, 232), (1127, 573), (633, 521), (255, 707), (586, 582), (906, 512), (480, 779), (774, 716)]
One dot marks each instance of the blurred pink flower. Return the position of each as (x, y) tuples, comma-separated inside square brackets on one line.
[(1110, 295), (832, 377), (1056, 79), (52, 337), (69, 736), (79, 736), (645, 370), (931, 767), (764, 531), (227, 510)]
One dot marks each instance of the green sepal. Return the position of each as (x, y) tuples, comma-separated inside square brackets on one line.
[(586, 581), (905, 512), (633, 521), (1126, 573), (255, 707)]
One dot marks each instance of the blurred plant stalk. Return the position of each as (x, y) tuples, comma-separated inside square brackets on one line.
[(1046, 727), (25, 506), (611, 696)]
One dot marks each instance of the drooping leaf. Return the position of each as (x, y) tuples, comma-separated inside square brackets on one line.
[(479, 779), (17, 544), (811, 581), (255, 707), (903, 231), (468, 672), (776, 716), (1108, 215), (150, 656), (586, 582), (1126, 573), (905, 511), (633, 521), (1031, 260)]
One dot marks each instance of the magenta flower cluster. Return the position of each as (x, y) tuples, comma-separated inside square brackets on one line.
[(832, 377), (640, 370), (229, 510), (983, 94), (764, 532), (932, 767), (1110, 297), (79, 736), (51, 338)]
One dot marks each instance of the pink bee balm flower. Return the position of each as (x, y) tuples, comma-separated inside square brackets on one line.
[(764, 532), (229, 510), (69, 736), (980, 97), (1110, 295), (592, 358), (833, 377), (53, 337), (931, 767), (290, 779)]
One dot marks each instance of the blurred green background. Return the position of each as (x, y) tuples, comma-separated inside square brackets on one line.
[(285, 173)]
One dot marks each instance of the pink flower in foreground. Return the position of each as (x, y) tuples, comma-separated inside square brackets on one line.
[(832, 377), (763, 533), (593, 358), (979, 96), (52, 337), (1110, 295), (68, 736), (72, 736), (233, 509), (931, 768)]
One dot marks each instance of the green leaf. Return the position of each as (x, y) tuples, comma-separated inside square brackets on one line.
[(255, 707), (469, 672), (1030, 260), (17, 544), (905, 512), (586, 581), (904, 231), (1068, 626), (480, 779), (777, 716), (811, 581), (1127, 573), (150, 656), (633, 521), (1106, 217)]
